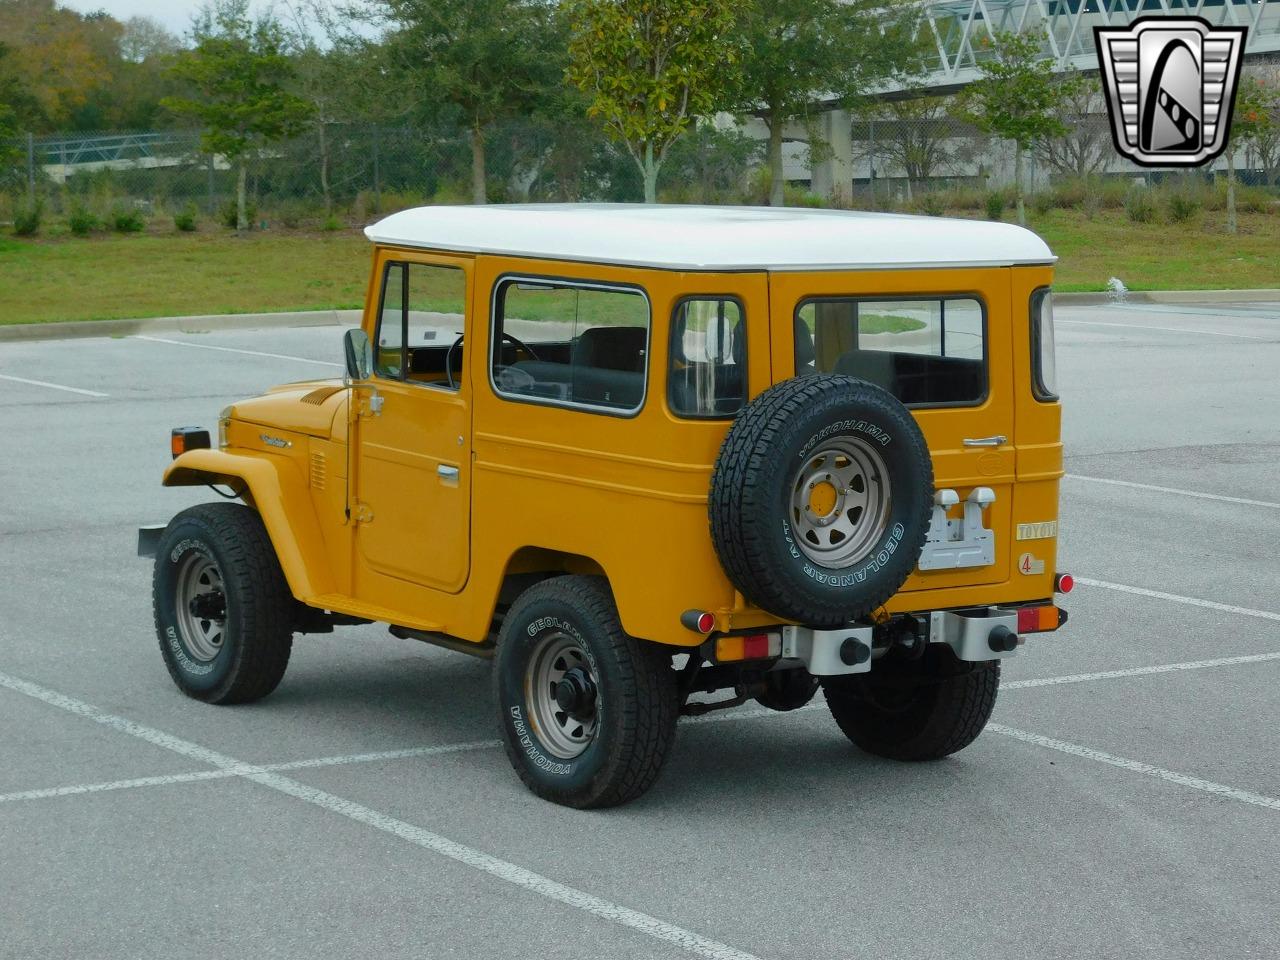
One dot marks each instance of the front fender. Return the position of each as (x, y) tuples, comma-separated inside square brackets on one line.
[(273, 486)]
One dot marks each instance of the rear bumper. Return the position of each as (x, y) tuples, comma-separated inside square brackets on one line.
[(976, 635)]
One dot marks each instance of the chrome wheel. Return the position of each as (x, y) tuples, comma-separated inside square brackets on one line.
[(840, 503), (201, 606), (561, 690)]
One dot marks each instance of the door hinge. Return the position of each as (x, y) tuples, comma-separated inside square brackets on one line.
[(361, 513), (373, 407)]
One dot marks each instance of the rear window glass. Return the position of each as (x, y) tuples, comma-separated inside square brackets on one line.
[(925, 351), (708, 375), (581, 345)]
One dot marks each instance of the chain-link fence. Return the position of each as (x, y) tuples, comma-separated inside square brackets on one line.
[(927, 161)]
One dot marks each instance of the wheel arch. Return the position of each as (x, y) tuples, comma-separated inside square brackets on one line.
[(274, 488)]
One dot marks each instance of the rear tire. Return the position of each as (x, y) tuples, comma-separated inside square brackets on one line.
[(223, 611), (915, 710), (606, 738)]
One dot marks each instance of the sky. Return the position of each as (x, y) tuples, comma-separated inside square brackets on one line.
[(174, 15)]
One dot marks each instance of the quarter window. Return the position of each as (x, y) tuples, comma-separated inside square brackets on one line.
[(421, 315), (926, 351), (708, 372), (561, 342)]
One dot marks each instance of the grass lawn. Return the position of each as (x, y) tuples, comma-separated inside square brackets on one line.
[(169, 274)]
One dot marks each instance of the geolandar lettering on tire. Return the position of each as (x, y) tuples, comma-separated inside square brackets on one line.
[(874, 565), (179, 654)]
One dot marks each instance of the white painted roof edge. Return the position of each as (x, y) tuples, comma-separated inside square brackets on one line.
[(679, 237)]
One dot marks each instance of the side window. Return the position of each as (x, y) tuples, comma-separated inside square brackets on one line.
[(707, 377), (927, 351), (421, 316), (557, 341)]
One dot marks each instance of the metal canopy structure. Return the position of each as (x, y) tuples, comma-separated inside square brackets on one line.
[(961, 30)]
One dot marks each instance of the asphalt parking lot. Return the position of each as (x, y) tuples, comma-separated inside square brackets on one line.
[(1124, 803)]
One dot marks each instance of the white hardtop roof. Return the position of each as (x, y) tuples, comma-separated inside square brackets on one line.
[(678, 237)]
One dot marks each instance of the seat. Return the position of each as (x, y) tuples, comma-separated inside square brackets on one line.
[(611, 348)]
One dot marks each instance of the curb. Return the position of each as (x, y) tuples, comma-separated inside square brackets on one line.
[(72, 329), (1172, 296)]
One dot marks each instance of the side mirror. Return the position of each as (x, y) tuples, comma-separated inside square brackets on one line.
[(359, 354)]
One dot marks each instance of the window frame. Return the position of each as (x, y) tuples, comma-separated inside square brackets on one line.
[(746, 347), (404, 321), (1038, 389), (860, 298), (505, 279)]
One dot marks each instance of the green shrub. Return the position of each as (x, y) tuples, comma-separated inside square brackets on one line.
[(187, 218), (124, 220), (228, 213), (27, 218), (1070, 194), (1139, 206), (1183, 206), (965, 198), (1091, 202), (331, 223), (1113, 193), (933, 204), (82, 221), (1043, 202), (995, 202), (1253, 199)]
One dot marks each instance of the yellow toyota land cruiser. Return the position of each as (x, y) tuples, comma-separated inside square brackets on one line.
[(651, 461)]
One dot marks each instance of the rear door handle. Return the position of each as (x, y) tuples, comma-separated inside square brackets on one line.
[(997, 441), (446, 472)]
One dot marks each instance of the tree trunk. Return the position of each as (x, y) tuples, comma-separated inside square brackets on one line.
[(1017, 184), (777, 181), (1231, 190), (649, 171), (324, 169), (242, 213), (478, 193)]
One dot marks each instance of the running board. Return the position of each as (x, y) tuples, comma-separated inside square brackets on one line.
[(483, 650)]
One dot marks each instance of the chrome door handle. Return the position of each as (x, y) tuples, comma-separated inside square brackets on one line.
[(446, 472), (996, 441)]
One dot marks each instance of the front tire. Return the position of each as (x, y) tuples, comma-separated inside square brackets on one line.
[(587, 713), (223, 611), (922, 709)]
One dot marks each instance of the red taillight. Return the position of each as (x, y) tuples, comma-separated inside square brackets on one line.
[(699, 621), (1064, 583), (1038, 619), (755, 647)]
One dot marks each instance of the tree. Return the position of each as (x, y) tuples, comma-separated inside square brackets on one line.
[(1019, 98), (1252, 122), (484, 59), (648, 68), (239, 69), (1085, 143), (917, 134), (798, 52), (59, 52)]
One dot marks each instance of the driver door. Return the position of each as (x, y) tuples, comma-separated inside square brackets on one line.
[(413, 442)]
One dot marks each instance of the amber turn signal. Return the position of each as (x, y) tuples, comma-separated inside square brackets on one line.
[(182, 439)]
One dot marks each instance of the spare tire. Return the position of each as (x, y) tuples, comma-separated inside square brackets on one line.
[(820, 499)]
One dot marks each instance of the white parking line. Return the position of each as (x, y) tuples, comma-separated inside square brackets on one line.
[(251, 353), (719, 716), (1139, 671), (53, 386), (198, 775), (1177, 598), (543, 886), (1137, 766), (1143, 326), (1176, 490)]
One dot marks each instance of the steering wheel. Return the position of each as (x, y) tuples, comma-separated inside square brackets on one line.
[(520, 344)]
